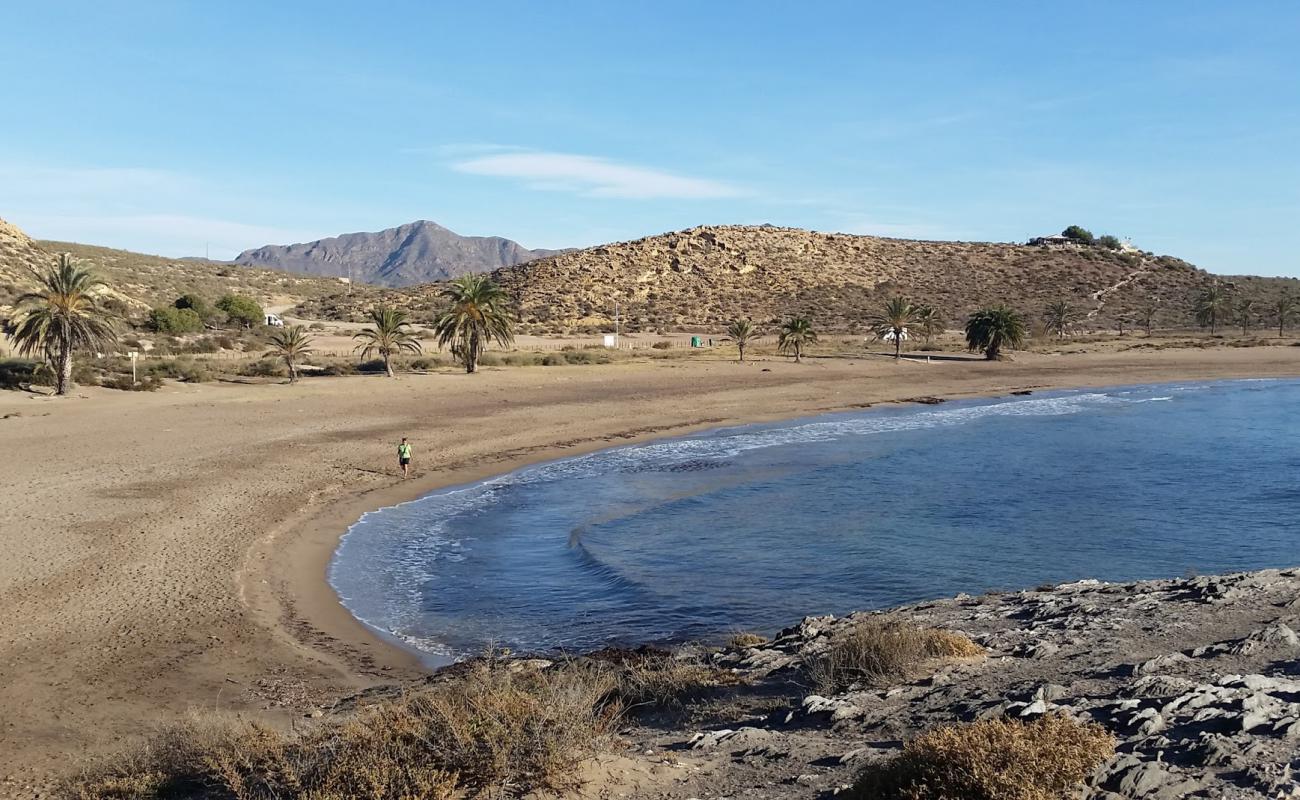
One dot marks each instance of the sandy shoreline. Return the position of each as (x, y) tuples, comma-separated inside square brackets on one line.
[(178, 560)]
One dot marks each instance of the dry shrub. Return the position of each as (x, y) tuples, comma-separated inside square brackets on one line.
[(490, 728), (877, 650), (649, 678), (746, 639), (1000, 759)]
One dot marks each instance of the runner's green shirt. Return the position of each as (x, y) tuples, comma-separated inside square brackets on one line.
[(403, 451)]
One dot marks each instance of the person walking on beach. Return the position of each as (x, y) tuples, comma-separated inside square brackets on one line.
[(404, 458)]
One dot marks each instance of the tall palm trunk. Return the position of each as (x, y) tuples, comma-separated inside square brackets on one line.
[(63, 381), (293, 370), (388, 367), (741, 347), (798, 353), (471, 353), (898, 345)]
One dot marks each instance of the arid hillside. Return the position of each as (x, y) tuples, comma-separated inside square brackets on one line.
[(703, 277), (142, 281)]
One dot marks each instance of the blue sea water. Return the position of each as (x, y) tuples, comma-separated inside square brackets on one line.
[(753, 527)]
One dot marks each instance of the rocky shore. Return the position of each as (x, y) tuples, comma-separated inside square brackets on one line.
[(1197, 678)]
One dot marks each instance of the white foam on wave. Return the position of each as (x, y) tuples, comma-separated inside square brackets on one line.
[(385, 559)]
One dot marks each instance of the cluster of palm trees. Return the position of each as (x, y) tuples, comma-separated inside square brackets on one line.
[(989, 330), (476, 314), (1216, 305)]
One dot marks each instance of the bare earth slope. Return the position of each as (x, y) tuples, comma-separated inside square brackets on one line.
[(706, 276), (418, 252)]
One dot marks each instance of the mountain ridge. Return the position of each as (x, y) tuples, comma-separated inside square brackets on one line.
[(416, 252)]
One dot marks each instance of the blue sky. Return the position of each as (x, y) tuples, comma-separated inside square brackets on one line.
[(174, 126)]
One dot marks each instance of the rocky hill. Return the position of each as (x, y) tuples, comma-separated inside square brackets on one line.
[(703, 277), (418, 252), (19, 258)]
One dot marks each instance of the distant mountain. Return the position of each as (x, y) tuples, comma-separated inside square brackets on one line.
[(420, 252)]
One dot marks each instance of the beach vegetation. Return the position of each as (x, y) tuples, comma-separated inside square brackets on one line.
[(992, 329), (746, 639), (892, 322), (999, 759), (489, 727), (477, 314), (241, 310), (1213, 304), (207, 312), (1245, 310), (489, 730), (1057, 317), (63, 316), (172, 320), (1147, 314), (291, 343), (741, 332), (929, 322), (878, 650), (796, 334), (1283, 308), (389, 334)]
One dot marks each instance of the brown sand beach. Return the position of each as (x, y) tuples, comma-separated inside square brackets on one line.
[(166, 552)]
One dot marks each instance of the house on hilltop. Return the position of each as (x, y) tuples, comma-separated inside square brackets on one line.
[(1055, 240)]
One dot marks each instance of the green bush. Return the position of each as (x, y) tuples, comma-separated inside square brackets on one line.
[(1078, 233), (174, 320), (662, 345), (16, 373), (1109, 242), (263, 368), (554, 360), (339, 368), (148, 383), (242, 310)]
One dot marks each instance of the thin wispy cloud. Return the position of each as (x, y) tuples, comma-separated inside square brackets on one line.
[(592, 176)]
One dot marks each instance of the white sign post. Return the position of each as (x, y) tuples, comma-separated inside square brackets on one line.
[(134, 355)]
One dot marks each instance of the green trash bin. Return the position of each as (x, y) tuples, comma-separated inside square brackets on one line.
[(695, 341)]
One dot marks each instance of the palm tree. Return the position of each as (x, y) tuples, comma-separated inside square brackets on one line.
[(1147, 314), (291, 344), (741, 331), (62, 316), (1212, 306), (929, 321), (390, 335), (991, 329), (1283, 306), (1057, 317), (795, 334), (477, 314), (892, 324), (1245, 313)]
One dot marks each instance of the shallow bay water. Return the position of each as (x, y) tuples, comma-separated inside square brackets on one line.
[(753, 527)]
